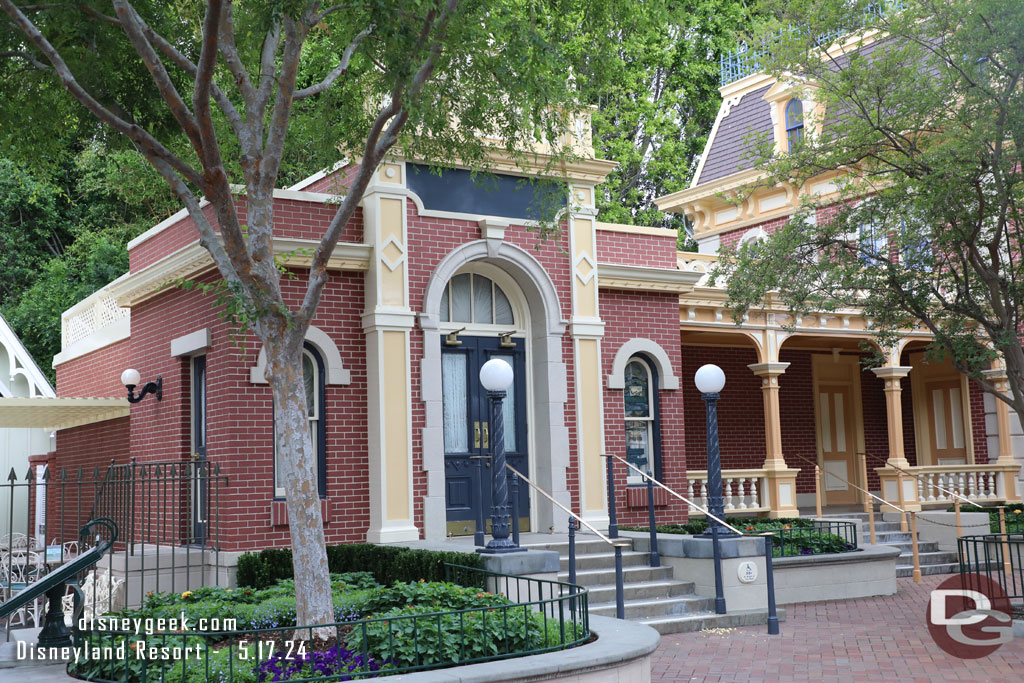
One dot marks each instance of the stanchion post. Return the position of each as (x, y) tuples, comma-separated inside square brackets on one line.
[(719, 590), (773, 617), (1005, 547), (913, 540), (956, 509), (572, 550), (655, 559), (903, 506), (817, 491), (868, 503), (871, 523)]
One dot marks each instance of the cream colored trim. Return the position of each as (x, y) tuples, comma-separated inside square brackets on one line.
[(103, 337), (728, 102), (676, 200), (667, 378), (306, 182), (191, 344), (336, 372), (194, 260), (61, 412), (636, 229), (613, 276)]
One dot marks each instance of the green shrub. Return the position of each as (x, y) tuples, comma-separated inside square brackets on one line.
[(1014, 517), (386, 564)]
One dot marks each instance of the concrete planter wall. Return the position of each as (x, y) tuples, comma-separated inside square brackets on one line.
[(622, 652), (868, 572)]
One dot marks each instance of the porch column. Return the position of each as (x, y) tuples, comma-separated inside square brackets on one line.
[(1007, 479), (780, 479), (888, 475), (892, 375)]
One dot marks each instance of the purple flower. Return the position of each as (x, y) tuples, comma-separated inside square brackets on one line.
[(337, 660)]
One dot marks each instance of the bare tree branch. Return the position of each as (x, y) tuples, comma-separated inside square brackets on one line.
[(231, 58), (27, 56), (129, 22), (341, 68)]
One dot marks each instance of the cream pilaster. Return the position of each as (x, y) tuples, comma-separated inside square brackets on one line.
[(387, 321), (781, 479), (587, 331), (1007, 478)]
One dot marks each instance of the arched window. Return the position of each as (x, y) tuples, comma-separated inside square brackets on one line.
[(473, 298), (640, 398), (794, 123), (313, 378)]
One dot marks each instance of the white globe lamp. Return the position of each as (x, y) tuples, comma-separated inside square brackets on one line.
[(131, 377), (496, 375), (709, 379)]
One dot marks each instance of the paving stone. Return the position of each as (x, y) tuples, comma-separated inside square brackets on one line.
[(866, 639)]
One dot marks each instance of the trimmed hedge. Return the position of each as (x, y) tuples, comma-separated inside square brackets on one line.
[(387, 563)]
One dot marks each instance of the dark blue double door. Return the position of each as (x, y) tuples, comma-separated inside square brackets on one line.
[(468, 430)]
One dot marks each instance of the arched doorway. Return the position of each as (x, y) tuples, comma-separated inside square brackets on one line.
[(536, 335)]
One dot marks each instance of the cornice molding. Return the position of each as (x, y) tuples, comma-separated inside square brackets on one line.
[(194, 260), (613, 276)]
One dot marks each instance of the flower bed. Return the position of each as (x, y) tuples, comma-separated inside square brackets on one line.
[(793, 536), (378, 631)]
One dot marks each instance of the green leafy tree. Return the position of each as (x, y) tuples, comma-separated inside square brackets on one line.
[(654, 112), (924, 119), (204, 93)]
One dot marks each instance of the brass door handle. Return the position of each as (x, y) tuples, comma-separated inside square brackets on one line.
[(487, 437), (476, 435), (195, 456)]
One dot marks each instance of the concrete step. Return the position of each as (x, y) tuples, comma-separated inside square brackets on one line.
[(604, 560), (688, 623), (583, 547), (928, 559), (642, 610), (640, 591), (926, 569), (603, 577), (890, 537), (906, 547)]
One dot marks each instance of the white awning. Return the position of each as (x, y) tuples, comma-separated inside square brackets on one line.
[(60, 412)]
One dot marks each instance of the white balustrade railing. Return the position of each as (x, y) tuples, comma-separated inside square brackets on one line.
[(90, 315), (742, 490), (693, 262), (981, 483)]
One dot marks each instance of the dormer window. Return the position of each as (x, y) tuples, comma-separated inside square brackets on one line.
[(794, 123)]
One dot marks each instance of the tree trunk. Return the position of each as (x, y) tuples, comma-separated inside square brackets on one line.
[(297, 473)]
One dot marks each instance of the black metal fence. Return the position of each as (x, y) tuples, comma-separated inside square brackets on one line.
[(542, 616), (167, 514), (998, 557)]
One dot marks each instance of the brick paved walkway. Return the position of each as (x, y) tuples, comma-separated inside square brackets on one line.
[(870, 639)]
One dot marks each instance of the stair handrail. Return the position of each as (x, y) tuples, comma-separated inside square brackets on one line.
[(54, 633), (773, 619), (613, 542), (682, 497), (918, 477), (850, 483)]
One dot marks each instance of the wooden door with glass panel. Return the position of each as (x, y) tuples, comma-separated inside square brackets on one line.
[(945, 409), (837, 438)]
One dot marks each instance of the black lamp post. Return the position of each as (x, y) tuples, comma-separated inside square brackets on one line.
[(710, 380), (496, 377)]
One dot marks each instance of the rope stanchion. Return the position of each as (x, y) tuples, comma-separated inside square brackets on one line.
[(1007, 567), (817, 491), (956, 509), (899, 487), (913, 546)]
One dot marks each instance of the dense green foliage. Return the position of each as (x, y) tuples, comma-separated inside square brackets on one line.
[(927, 132), (1014, 515), (386, 564), (653, 117), (415, 624), (63, 231)]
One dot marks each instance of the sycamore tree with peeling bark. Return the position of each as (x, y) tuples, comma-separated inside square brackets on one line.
[(920, 120), (217, 93)]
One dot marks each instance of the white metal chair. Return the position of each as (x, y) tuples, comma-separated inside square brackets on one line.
[(100, 594)]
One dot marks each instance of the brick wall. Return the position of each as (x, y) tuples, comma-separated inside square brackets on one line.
[(653, 316), (96, 374), (630, 249), (977, 398), (731, 239)]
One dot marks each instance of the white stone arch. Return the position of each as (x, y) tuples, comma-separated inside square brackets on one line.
[(336, 372), (753, 235), (667, 378), (550, 436)]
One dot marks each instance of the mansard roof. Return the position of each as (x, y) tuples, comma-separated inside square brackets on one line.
[(732, 142)]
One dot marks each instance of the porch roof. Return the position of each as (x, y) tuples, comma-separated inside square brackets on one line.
[(59, 413)]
